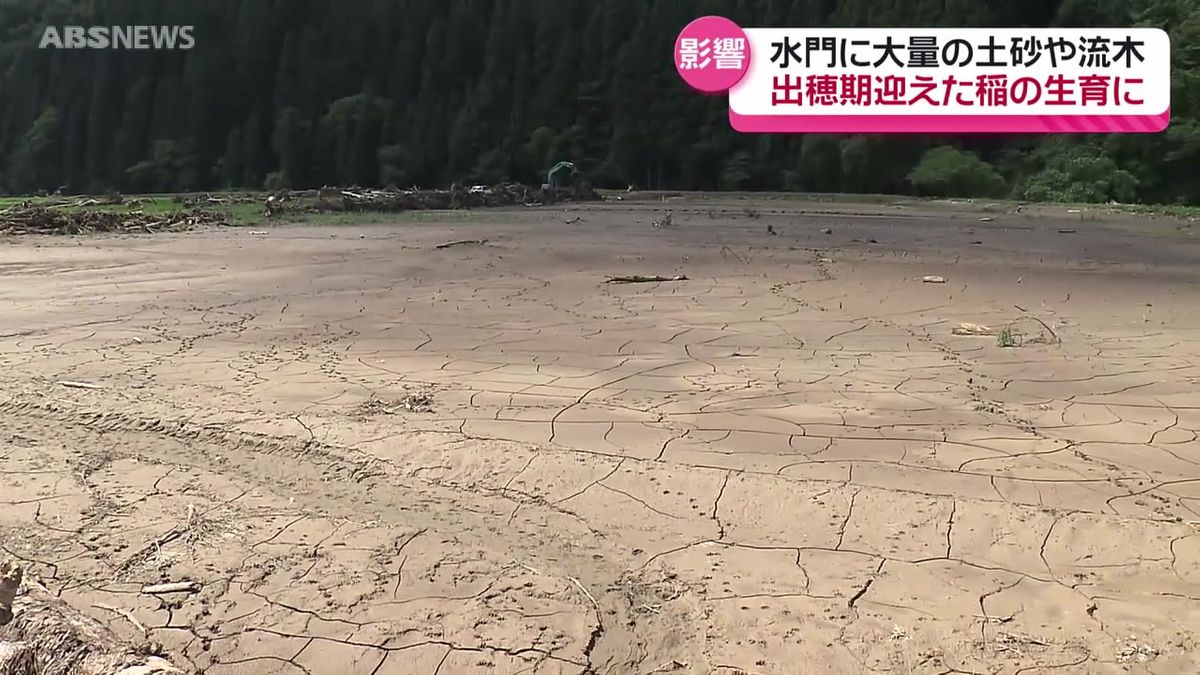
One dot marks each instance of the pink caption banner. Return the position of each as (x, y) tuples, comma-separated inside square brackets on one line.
[(929, 80)]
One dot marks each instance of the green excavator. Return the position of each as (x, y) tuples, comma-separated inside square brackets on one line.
[(561, 175)]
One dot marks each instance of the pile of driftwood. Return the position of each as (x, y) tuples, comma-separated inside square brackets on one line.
[(394, 200), (40, 634), (27, 218), (203, 199)]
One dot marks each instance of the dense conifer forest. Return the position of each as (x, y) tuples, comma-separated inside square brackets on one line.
[(302, 93)]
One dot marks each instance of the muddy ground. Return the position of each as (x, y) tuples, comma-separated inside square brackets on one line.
[(375, 455)]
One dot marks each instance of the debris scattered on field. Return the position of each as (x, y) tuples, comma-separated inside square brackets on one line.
[(206, 198), (1016, 643), (463, 242), (1135, 651), (394, 200), (171, 587), (639, 279), (1072, 210), (968, 328), (933, 279), (28, 218), (986, 219), (826, 230), (572, 221), (771, 230), (1066, 231), (413, 402), (71, 384), (419, 402), (257, 232), (665, 221)]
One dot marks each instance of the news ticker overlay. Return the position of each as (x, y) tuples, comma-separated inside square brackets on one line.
[(931, 80)]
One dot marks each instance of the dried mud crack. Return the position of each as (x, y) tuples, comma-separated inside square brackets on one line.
[(454, 466)]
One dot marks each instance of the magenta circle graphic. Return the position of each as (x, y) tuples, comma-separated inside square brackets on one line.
[(712, 54)]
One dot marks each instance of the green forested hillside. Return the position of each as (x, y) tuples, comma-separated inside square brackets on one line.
[(308, 92)]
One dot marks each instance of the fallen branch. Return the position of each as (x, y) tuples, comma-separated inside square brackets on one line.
[(79, 385), (173, 587), (463, 242), (156, 545), (1049, 330), (124, 613), (527, 567), (640, 279), (967, 328), (995, 619), (585, 591), (1022, 639)]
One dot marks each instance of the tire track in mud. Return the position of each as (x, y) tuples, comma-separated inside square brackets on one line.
[(343, 483)]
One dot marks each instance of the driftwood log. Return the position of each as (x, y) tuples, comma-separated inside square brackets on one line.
[(40, 634), (643, 279)]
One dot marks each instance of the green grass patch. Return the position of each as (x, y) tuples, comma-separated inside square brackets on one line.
[(1008, 338), (1173, 210)]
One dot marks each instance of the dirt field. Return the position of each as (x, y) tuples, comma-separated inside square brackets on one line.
[(378, 456)]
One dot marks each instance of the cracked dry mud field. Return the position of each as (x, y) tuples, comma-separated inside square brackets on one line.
[(785, 464)]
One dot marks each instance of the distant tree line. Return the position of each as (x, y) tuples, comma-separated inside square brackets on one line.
[(301, 93)]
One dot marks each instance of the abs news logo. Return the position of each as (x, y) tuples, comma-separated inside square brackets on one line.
[(117, 37)]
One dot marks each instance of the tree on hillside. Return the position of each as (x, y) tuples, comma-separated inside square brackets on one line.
[(949, 172)]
